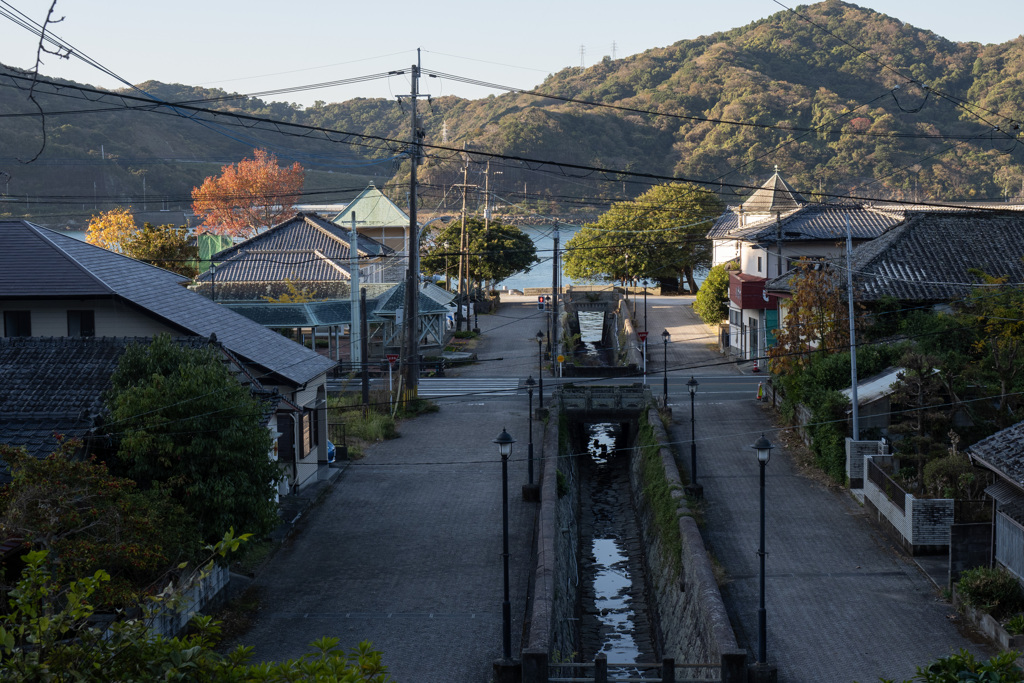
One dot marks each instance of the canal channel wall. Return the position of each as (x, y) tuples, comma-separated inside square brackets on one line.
[(688, 617), (691, 619)]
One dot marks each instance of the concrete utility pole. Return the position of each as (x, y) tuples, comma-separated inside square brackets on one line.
[(463, 260), (411, 318), (554, 307), (853, 341), (355, 352)]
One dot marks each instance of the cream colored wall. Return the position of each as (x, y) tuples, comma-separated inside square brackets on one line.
[(113, 319)]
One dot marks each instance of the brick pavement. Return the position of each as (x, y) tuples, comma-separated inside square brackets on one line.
[(842, 603), (405, 550)]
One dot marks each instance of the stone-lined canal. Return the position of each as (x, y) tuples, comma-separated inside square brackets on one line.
[(613, 598)]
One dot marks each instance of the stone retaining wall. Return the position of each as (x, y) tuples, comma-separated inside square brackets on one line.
[(691, 619)]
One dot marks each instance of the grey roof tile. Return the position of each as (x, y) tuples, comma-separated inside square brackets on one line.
[(155, 290), (1003, 452)]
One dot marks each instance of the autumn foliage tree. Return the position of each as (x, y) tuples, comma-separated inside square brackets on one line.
[(817, 319), (163, 246), (252, 194), (111, 229)]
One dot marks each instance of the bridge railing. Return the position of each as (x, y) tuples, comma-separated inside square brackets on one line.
[(730, 669)]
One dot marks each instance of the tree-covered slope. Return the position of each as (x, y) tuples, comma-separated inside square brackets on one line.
[(845, 100)]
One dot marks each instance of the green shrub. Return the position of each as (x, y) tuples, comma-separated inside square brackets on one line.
[(466, 334), (712, 300), (991, 590), (658, 492), (964, 667), (828, 434), (1015, 625)]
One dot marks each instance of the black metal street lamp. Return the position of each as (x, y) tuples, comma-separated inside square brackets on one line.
[(540, 368), (530, 384), (664, 338), (764, 452), (694, 489), (505, 442), (645, 304)]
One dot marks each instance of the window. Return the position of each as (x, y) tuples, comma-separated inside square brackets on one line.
[(17, 324), (81, 324), (759, 264), (310, 429)]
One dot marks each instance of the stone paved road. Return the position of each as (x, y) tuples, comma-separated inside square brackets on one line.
[(842, 604), (405, 550)]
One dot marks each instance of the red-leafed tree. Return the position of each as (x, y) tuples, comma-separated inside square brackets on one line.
[(252, 194)]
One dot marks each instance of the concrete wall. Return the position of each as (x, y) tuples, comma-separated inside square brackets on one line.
[(921, 528), (855, 453), (690, 620)]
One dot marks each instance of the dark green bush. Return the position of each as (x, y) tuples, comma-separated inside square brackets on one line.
[(992, 590)]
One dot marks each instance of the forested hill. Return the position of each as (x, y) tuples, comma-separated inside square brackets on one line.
[(912, 112)]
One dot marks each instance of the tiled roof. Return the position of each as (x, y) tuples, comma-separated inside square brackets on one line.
[(813, 222), (372, 210), (394, 299), (255, 292), (315, 313), (306, 232), (305, 248), (55, 385), (56, 266), (1003, 452), (928, 257), (774, 196)]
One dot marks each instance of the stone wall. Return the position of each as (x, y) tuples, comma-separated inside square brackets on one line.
[(554, 617), (690, 617)]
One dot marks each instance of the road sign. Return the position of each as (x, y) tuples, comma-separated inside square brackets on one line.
[(392, 358), (642, 335), (561, 358)]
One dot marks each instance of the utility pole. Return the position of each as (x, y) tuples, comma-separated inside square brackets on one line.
[(554, 307), (411, 318), (355, 330), (853, 341), (464, 248)]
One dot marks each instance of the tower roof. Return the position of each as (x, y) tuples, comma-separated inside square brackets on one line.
[(775, 196)]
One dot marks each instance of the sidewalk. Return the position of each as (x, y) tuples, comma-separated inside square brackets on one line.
[(842, 602)]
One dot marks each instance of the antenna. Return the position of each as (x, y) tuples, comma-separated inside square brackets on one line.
[(583, 52), (613, 49)]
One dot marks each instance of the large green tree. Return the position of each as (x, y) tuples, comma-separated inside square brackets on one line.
[(87, 519), (164, 246), (660, 235), (712, 301), (182, 421), (496, 252)]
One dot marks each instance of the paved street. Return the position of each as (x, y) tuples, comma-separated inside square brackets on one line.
[(405, 549)]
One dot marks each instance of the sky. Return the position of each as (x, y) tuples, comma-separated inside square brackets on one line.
[(257, 46)]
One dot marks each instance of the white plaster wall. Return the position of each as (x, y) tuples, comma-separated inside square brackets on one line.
[(113, 319)]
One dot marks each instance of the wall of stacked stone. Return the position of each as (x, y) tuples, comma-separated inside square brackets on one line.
[(691, 621), (554, 617)]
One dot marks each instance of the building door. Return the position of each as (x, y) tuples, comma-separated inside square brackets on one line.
[(752, 332)]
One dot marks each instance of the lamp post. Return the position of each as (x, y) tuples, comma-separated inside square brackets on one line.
[(694, 489), (664, 338), (645, 303), (764, 452), (530, 384), (540, 369), (505, 442)]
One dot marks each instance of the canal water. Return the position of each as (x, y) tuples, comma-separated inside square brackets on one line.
[(614, 606)]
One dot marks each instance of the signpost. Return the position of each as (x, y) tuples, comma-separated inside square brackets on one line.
[(642, 336), (392, 358), (561, 359)]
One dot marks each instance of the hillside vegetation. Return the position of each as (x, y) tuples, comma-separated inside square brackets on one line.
[(855, 133)]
